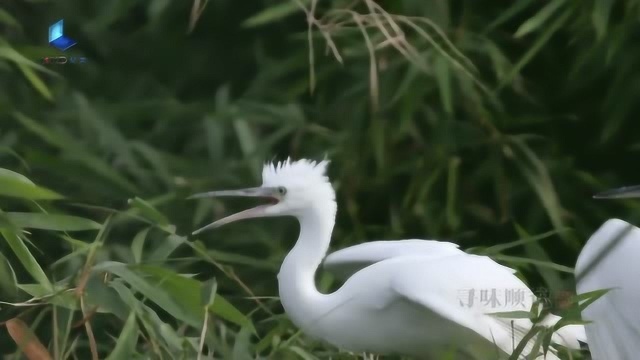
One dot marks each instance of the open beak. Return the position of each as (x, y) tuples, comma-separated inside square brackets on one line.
[(626, 192), (259, 211)]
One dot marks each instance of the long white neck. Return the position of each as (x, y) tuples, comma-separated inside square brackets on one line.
[(298, 292)]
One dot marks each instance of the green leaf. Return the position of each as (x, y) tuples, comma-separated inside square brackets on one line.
[(516, 8), (524, 341), (35, 81), (539, 19), (76, 151), (26, 259), (127, 341), (98, 293), (16, 185), (525, 240), (148, 211), (242, 345), (227, 311), (539, 178), (5, 223), (537, 46), (512, 314), (237, 259), (63, 319), (137, 245), (187, 292), (7, 19), (8, 281), (273, 14), (443, 78), (153, 325), (588, 298), (452, 184), (57, 295), (157, 293), (11, 54), (304, 354), (55, 222), (167, 245), (534, 250), (521, 260), (4, 173), (600, 16), (246, 137), (208, 293)]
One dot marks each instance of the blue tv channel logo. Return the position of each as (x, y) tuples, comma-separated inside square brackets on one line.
[(62, 43), (57, 38)]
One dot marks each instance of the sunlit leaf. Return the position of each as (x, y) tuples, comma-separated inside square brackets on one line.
[(15, 185), (540, 19)]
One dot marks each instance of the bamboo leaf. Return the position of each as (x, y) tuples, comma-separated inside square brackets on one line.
[(55, 222), (127, 341), (7, 19), (8, 281), (600, 16), (137, 245), (149, 211), (208, 292), (174, 305), (521, 260), (539, 20), (35, 81), (16, 185), (537, 46), (273, 13), (26, 258)]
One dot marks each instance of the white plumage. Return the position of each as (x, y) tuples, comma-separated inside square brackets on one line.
[(611, 260)]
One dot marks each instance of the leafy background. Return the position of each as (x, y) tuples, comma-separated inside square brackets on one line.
[(479, 123)]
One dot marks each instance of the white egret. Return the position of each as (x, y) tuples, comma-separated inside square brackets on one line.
[(611, 260), (409, 297)]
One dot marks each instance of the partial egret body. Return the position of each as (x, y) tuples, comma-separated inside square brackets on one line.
[(409, 297), (611, 260)]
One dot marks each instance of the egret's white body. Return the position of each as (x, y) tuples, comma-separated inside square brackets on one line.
[(402, 297), (611, 260)]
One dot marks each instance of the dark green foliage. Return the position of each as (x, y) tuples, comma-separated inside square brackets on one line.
[(480, 121)]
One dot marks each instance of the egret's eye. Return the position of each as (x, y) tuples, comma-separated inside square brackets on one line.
[(282, 190)]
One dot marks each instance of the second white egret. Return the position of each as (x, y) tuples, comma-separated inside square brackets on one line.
[(610, 260)]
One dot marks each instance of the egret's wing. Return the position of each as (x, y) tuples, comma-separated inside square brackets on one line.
[(611, 260), (465, 289), (344, 263)]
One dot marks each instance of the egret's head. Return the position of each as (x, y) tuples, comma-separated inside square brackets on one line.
[(290, 187), (620, 193)]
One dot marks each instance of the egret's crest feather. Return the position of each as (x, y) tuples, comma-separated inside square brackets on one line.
[(302, 171)]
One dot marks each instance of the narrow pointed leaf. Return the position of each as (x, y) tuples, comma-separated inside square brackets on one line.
[(54, 222), (16, 185), (26, 258)]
